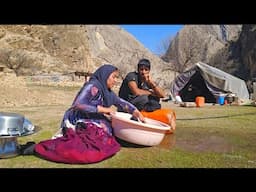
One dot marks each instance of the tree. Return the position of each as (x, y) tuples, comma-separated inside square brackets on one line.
[(164, 45)]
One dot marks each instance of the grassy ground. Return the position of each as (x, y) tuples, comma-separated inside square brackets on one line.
[(212, 136)]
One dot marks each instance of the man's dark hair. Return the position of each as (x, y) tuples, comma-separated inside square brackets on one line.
[(144, 62)]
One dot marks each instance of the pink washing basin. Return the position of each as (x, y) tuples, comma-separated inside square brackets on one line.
[(149, 133)]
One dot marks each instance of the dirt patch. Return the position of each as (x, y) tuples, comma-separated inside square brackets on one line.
[(207, 144), (16, 92)]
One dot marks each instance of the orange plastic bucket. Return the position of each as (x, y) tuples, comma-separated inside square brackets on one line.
[(167, 116), (200, 101)]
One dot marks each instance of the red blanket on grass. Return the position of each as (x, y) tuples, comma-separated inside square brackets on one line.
[(84, 145)]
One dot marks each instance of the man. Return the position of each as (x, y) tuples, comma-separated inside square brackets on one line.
[(139, 89)]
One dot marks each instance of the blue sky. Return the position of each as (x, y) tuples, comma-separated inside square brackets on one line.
[(152, 36)]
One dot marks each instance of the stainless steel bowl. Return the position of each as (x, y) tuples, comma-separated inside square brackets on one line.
[(8, 147), (11, 124)]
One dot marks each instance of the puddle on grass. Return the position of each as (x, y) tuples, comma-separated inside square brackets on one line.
[(207, 144), (168, 141)]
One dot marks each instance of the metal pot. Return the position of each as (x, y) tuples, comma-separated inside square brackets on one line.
[(230, 99), (8, 147), (11, 124)]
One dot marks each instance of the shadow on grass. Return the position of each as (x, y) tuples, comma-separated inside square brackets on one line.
[(128, 144), (216, 117)]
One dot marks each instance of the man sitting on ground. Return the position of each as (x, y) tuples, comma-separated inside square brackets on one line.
[(139, 89)]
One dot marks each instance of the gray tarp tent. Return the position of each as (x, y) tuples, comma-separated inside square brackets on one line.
[(207, 81)]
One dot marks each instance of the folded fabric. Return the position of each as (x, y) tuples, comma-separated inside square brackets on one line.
[(86, 144)]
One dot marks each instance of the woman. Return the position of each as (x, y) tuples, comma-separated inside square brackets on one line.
[(93, 102)]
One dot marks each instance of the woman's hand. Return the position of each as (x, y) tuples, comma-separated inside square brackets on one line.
[(136, 113)]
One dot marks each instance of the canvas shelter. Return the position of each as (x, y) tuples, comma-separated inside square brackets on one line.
[(207, 81)]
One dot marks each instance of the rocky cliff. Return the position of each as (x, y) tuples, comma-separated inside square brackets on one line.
[(63, 49), (239, 56), (196, 43)]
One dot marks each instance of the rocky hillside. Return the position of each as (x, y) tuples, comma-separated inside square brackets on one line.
[(196, 43), (64, 49), (247, 44), (239, 56)]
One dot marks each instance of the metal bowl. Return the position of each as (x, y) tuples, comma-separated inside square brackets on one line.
[(8, 147), (11, 124)]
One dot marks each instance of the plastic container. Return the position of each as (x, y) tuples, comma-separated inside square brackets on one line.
[(167, 116), (150, 133), (221, 99), (178, 99), (200, 101)]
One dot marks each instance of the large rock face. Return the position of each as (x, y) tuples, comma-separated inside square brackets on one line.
[(62, 49), (112, 44), (239, 57), (37, 49), (247, 45), (230, 48), (196, 43)]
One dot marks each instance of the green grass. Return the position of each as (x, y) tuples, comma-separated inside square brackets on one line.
[(206, 137)]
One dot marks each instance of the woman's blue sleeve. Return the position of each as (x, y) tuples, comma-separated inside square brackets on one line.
[(124, 105), (88, 99)]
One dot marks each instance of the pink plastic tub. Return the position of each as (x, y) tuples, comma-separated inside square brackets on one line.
[(149, 133)]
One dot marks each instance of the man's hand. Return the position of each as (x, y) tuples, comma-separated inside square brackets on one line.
[(147, 78)]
